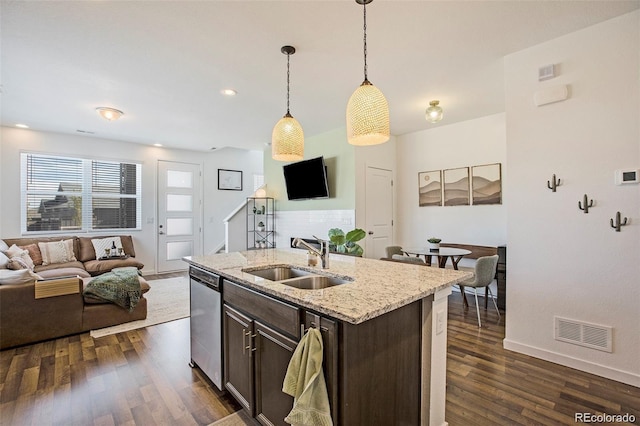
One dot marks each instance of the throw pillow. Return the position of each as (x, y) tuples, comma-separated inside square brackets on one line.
[(57, 252), (100, 244), (16, 263), (3, 246), (13, 253), (17, 277), (3, 261), (34, 253)]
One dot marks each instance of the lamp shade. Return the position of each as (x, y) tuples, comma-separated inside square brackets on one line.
[(367, 116), (287, 140), (434, 112)]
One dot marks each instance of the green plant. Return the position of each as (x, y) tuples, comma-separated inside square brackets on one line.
[(346, 243), (261, 224), (434, 240)]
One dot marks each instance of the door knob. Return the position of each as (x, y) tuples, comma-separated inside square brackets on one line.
[(370, 232)]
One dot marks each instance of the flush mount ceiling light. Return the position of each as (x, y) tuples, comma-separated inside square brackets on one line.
[(228, 92), (434, 112), (22, 126), (110, 114), (367, 110), (287, 139)]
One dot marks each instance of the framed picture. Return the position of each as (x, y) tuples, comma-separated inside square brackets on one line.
[(230, 180), (456, 187), (486, 184), (430, 188)]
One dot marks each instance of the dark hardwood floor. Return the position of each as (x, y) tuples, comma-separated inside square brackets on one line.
[(142, 377)]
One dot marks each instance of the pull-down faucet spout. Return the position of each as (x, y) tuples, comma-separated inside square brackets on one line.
[(323, 252)]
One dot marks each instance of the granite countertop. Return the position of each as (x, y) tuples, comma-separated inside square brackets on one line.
[(378, 286)]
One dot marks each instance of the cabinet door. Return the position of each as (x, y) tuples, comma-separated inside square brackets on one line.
[(272, 354), (329, 332), (238, 365)]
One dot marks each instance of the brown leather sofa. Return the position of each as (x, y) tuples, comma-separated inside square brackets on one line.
[(25, 319)]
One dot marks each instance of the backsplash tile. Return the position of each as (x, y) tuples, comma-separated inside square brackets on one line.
[(306, 223)]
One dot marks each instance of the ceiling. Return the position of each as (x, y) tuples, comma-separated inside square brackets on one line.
[(165, 63)]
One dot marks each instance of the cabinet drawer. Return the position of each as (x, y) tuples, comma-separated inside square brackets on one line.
[(278, 314)]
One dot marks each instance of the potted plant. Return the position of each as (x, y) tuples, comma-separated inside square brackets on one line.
[(434, 243), (346, 243), (261, 226)]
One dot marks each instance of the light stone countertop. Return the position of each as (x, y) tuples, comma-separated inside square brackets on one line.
[(378, 286)]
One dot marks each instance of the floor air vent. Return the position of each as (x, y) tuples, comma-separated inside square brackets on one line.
[(583, 334)]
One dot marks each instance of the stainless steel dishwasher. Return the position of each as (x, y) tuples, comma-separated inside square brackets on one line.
[(206, 323)]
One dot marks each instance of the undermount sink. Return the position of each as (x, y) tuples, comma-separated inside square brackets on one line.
[(298, 278)]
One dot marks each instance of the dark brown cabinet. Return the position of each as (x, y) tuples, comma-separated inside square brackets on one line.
[(257, 354)]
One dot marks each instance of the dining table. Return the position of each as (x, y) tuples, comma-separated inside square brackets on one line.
[(443, 254)]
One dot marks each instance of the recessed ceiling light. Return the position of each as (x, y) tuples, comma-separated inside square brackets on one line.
[(110, 114), (157, 144), (22, 126), (228, 92)]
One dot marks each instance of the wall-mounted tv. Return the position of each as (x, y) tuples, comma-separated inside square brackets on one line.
[(306, 179)]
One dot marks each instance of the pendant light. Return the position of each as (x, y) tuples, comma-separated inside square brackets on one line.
[(434, 112), (367, 110), (287, 139)]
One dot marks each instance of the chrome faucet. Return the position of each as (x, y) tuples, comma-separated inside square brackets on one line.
[(323, 252)]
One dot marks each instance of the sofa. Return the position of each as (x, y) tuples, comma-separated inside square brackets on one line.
[(24, 318)]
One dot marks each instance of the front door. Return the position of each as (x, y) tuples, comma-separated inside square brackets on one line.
[(379, 213), (179, 214)]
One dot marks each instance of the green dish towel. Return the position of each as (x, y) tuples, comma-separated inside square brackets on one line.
[(304, 381), (120, 286)]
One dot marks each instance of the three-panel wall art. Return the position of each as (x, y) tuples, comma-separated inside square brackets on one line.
[(464, 186)]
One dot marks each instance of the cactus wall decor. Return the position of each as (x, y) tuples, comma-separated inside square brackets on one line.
[(586, 203), (618, 223), (553, 184)]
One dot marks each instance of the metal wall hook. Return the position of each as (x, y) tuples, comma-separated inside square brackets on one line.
[(586, 202), (618, 223), (553, 184)]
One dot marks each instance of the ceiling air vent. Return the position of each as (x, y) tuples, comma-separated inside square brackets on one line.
[(584, 334)]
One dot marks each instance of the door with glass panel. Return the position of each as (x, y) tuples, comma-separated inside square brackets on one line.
[(179, 214)]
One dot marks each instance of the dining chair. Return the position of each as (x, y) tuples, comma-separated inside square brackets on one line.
[(485, 272), (407, 259), (391, 250)]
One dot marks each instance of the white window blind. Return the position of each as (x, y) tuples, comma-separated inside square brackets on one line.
[(74, 194)]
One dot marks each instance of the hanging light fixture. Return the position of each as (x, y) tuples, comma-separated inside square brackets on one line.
[(287, 139), (367, 110), (434, 112), (110, 114)]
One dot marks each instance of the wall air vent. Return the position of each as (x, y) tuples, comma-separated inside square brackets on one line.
[(584, 334)]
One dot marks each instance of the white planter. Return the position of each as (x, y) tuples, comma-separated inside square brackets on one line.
[(434, 246)]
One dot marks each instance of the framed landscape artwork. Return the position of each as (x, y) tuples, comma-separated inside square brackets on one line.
[(456, 187), (430, 188), (230, 179), (486, 184)]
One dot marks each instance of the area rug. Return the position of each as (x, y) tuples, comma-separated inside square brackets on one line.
[(167, 300), (239, 418)]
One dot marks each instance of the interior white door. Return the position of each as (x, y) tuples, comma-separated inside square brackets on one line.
[(179, 214), (379, 213)]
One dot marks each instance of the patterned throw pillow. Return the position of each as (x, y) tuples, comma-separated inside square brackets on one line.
[(57, 252), (16, 263), (15, 253), (100, 244)]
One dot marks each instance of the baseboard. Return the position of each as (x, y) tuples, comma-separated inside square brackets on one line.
[(578, 364)]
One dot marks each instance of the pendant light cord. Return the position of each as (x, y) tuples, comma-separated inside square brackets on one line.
[(364, 7), (288, 75)]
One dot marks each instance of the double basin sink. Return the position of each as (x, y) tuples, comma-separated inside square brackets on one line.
[(296, 277)]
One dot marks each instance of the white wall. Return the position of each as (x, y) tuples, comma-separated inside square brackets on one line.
[(470, 143), (216, 204), (562, 262)]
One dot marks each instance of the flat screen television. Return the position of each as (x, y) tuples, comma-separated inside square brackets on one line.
[(306, 179)]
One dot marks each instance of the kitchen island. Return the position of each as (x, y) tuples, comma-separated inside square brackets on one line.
[(384, 329)]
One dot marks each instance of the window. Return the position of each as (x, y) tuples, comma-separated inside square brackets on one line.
[(74, 194)]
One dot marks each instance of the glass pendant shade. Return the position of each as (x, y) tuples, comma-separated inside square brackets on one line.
[(287, 140), (434, 112), (367, 116)]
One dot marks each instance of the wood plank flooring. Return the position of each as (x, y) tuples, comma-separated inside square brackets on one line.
[(142, 377)]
